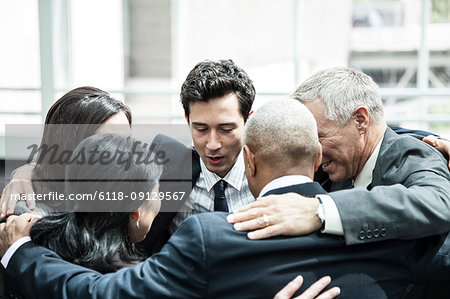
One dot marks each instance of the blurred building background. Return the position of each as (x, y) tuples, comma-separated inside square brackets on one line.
[(141, 51)]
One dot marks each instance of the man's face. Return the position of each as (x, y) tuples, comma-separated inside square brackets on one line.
[(342, 146), (217, 127)]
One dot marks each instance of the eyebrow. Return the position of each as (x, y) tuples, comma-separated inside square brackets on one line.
[(223, 124)]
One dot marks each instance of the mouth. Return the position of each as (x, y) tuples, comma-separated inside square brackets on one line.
[(325, 165), (215, 160)]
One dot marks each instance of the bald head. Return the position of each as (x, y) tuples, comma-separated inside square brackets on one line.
[(284, 134)]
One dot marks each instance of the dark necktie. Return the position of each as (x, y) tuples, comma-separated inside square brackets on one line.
[(220, 201)]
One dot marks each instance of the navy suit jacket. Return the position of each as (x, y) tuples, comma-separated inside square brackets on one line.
[(207, 258), (180, 174)]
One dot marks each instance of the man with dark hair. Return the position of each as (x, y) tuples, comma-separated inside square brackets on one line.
[(215, 79), (217, 97)]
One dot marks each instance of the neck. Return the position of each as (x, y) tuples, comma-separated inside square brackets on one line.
[(266, 174)]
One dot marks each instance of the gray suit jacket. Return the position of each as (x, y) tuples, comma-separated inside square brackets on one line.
[(409, 195)]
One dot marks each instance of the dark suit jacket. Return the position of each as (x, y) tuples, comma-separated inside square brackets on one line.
[(179, 174), (207, 258), (409, 195)]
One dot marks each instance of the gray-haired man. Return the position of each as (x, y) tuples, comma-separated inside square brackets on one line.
[(402, 188)]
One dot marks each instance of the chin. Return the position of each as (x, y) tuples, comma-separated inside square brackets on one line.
[(140, 239), (337, 178)]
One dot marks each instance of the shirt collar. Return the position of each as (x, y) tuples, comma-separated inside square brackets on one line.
[(364, 178), (233, 178), (284, 181)]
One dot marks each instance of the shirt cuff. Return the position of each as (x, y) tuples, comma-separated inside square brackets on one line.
[(11, 250), (333, 222)]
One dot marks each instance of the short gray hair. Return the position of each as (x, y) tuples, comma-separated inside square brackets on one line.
[(283, 132), (342, 90)]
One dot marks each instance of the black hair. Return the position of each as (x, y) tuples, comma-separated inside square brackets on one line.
[(85, 109), (102, 240), (213, 79)]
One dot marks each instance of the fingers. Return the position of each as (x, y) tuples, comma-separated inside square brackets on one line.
[(250, 214), (35, 219), (28, 189), (331, 293), (27, 217), (253, 223), (23, 219), (290, 288), (16, 227), (21, 224), (11, 202), (12, 193), (444, 147), (431, 140), (441, 145), (312, 292), (258, 203), (32, 218), (10, 219), (267, 232), (5, 197), (315, 288)]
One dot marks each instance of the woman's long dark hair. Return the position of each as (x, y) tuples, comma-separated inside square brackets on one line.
[(84, 109), (100, 241)]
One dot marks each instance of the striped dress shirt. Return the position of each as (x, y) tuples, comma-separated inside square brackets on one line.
[(201, 198)]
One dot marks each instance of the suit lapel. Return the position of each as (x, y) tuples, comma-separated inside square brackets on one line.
[(384, 155), (196, 169)]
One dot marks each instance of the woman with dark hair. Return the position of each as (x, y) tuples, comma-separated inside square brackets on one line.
[(99, 240), (76, 115), (104, 241)]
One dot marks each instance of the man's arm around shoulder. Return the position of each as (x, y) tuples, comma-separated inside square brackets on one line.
[(164, 274)]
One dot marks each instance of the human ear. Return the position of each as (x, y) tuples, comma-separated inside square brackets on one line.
[(318, 158), (362, 118), (249, 160), (135, 216)]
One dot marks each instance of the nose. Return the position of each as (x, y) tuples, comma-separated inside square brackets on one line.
[(213, 143)]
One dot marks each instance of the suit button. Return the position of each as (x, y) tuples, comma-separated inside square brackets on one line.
[(383, 232), (376, 233), (362, 235), (369, 234)]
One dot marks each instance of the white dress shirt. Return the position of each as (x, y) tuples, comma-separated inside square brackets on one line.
[(11, 250), (284, 181)]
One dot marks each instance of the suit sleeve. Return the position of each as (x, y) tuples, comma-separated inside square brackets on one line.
[(430, 260), (410, 200), (419, 134), (177, 271), (176, 177)]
